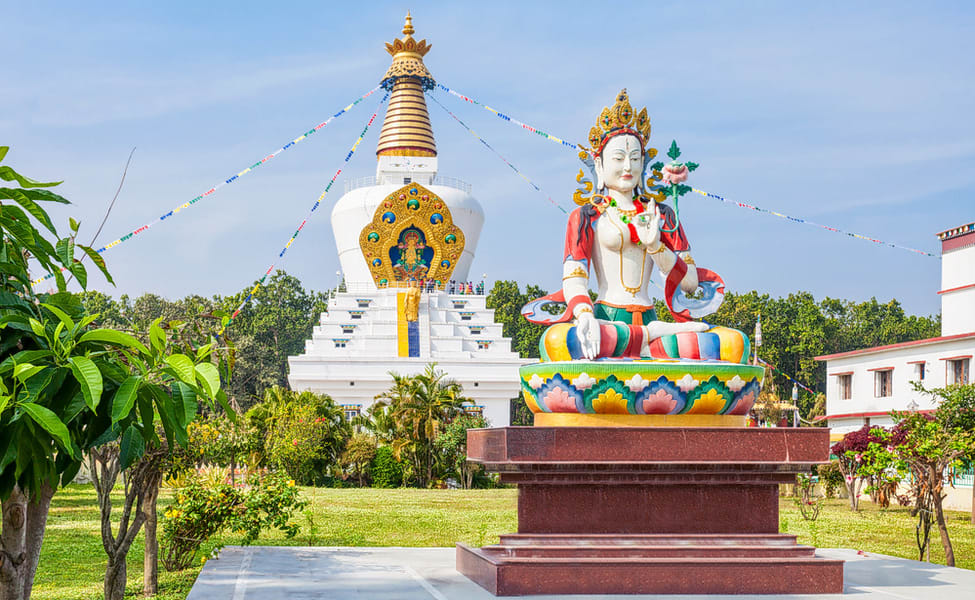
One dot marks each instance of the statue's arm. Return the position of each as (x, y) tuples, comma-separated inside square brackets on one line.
[(674, 245), (579, 237)]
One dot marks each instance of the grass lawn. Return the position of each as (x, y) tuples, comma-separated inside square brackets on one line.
[(73, 562)]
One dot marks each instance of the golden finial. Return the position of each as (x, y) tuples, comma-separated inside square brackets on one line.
[(408, 28)]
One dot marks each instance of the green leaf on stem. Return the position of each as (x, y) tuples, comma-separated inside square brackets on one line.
[(125, 398), (50, 423), (90, 378), (183, 367), (209, 377)]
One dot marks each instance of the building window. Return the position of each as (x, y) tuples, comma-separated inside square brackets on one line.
[(363, 303), (957, 371), (356, 314), (340, 343), (348, 329), (476, 330), (846, 386), (883, 383), (351, 411), (919, 371), (483, 345)]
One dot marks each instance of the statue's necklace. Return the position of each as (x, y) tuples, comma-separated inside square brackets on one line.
[(627, 215), (633, 290)]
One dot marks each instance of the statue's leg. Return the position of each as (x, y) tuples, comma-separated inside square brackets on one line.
[(717, 343)]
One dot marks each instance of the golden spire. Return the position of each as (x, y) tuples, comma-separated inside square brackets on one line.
[(406, 129)]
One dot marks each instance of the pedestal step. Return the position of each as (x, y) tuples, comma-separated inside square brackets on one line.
[(666, 539), (649, 564)]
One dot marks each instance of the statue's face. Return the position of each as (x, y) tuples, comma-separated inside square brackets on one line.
[(620, 165)]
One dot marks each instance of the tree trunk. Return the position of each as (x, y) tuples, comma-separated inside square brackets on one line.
[(939, 515), (115, 578), (150, 565), (20, 541)]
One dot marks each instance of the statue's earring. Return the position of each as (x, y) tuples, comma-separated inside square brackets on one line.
[(598, 171)]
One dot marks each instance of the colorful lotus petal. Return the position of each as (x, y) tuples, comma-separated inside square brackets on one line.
[(709, 398), (661, 397)]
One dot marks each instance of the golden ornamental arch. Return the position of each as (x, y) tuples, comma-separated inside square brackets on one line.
[(412, 236)]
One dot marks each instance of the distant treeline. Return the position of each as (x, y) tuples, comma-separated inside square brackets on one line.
[(281, 315)]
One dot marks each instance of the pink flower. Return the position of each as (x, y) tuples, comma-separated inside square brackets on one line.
[(294, 442), (674, 174), (849, 478)]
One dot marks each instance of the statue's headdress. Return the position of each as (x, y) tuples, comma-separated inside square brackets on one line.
[(616, 120)]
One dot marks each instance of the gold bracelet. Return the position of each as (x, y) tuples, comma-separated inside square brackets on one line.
[(659, 249), (689, 261), (583, 309)]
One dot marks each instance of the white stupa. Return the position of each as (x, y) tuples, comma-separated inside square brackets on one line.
[(405, 227)]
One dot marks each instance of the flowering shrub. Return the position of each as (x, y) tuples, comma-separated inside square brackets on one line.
[(201, 510), (306, 443)]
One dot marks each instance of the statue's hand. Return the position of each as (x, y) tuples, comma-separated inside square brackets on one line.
[(648, 227), (587, 329)]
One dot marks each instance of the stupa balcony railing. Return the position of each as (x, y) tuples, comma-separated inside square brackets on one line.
[(371, 180), (366, 287)]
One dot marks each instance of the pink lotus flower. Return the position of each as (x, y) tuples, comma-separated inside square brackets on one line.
[(674, 174)]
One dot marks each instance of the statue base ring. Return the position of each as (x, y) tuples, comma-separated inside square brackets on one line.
[(635, 392)]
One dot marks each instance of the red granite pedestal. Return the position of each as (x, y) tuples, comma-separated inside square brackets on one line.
[(648, 510)]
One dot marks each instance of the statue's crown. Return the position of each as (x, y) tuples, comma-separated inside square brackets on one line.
[(619, 119)]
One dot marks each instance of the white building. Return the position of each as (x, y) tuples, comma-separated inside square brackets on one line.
[(407, 224), (863, 386)]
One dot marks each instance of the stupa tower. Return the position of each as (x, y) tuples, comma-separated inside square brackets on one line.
[(406, 129), (406, 226), (406, 158)]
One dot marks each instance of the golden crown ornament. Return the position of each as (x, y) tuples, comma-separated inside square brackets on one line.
[(618, 119)]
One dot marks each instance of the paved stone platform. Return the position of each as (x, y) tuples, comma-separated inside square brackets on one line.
[(307, 573)]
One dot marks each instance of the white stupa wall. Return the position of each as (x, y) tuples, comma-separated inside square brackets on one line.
[(356, 209), (356, 345)]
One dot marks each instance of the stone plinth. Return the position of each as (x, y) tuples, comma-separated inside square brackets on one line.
[(648, 510)]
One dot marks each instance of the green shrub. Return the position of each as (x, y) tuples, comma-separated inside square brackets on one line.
[(299, 444), (387, 472), (202, 509), (830, 477)]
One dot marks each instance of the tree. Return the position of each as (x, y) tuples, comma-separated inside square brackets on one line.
[(421, 406), (850, 453), (53, 403), (273, 325), (358, 455), (452, 448), (933, 444), (506, 299)]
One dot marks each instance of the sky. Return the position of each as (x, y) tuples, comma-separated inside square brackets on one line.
[(853, 115)]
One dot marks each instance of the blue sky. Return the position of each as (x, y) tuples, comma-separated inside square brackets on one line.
[(855, 115)]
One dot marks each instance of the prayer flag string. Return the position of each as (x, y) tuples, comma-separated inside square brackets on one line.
[(786, 375), (314, 207), (498, 154), (812, 223), (566, 144), (505, 117), (213, 189)]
